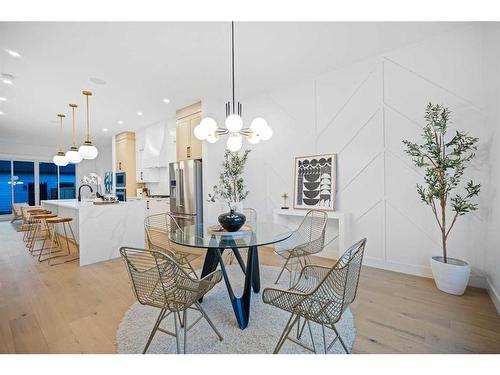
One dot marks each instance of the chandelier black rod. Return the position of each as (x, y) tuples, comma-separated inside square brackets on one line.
[(232, 57)]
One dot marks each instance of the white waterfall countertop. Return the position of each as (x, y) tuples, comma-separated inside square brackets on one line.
[(101, 230)]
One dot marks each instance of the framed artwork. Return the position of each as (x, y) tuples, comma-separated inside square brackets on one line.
[(315, 182), (108, 182)]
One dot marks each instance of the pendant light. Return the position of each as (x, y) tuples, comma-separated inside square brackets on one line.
[(73, 155), (208, 130), (87, 150), (60, 159)]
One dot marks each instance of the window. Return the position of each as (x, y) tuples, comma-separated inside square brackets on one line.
[(67, 182), (32, 181), (47, 184), (5, 187), (23, 182)]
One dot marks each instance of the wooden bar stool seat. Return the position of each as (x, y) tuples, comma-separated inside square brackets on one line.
[(39, 230), (33, 223), (51, 227), (59, 220)]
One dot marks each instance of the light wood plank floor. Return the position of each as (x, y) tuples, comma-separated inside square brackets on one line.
[(68, 309)]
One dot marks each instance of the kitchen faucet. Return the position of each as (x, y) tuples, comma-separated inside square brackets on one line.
[(80, 189)]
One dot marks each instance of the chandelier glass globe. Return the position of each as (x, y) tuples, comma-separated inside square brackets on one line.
[(234, 142), (253, 138), (234, 123), (73, 156), (60, 159), (266, 133), (87, 151), (206, 127), (212, 138)]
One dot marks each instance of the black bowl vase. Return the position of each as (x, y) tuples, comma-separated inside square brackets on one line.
[(232, 221)]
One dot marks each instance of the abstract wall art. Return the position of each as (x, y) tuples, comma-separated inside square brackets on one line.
[(315, 182)]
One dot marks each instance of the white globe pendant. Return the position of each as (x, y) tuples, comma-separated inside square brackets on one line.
[(253, 138), (206, 127), (260, 127), (87, 151), (212, 137), (73, 156), (266, 133), (60, 159), (234, 123), (234, 142)]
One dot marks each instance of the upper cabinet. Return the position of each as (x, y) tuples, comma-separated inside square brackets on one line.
[(154, 144), (125, 158), (188, 146)]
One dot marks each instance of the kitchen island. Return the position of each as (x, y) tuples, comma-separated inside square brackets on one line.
[(101, 230)]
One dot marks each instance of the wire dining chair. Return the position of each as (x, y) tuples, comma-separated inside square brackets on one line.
[(158, 227), (251, 219), (159, 281), (321, 295), (307, 239)]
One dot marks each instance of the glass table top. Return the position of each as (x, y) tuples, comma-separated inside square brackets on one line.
[(203, 236)]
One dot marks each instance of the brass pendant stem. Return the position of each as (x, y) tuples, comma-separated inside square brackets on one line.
[(61, 136), (73, 106), (87, 94)]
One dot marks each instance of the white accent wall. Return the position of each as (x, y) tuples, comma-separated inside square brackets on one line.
[(362, 112)]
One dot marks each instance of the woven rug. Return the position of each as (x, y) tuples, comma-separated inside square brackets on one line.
[(260, 337)]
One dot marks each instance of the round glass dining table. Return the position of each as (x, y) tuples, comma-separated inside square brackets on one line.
[(252, 237)]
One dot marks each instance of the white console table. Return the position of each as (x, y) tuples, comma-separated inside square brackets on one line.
[(337, 228)]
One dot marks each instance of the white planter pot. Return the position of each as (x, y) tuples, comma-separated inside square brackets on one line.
[(451, 277)]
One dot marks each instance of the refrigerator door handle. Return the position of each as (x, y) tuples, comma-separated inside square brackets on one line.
[(181, 188)]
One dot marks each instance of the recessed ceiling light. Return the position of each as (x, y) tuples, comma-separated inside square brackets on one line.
[(104, 129), (8, 79), (166, 100), (139, 113), (13, 53), (2, 99), (97, 81), (1, 113), (120, 122)]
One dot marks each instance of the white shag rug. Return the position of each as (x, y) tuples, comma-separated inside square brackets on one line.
[(260, 337)]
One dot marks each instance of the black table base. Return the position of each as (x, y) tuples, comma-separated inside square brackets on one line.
[(241, 305)]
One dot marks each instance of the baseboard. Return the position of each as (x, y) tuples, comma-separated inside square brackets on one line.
[(494, 295)]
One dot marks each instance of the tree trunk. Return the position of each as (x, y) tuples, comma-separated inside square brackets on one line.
[(443, 229)]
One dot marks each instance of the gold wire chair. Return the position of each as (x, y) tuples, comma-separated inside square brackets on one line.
[(307, 239), (158, 227), (321, 295), (251, 219), (159, 281)]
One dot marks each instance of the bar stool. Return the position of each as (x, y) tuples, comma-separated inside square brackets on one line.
[(40, 231), (25, 212), (51, 225), (32, 224)]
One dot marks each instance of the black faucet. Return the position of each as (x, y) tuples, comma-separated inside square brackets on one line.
[(80, 191)]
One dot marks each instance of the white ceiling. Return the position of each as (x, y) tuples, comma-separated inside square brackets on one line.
[(142, 63)]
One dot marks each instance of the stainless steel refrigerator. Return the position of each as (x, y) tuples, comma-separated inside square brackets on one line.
[(186, 192)]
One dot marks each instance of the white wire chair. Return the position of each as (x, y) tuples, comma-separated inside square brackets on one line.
[(158, 227), (321, 295), (307, 239), (159, 281)]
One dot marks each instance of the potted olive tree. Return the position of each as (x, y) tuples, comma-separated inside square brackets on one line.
[(231, 188), (444, 158)]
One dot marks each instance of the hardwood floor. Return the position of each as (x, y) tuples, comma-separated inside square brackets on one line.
[(68, 309)]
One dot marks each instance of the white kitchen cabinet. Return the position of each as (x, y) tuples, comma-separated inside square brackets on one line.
[(144, 159), (154, 142), (157, 206)]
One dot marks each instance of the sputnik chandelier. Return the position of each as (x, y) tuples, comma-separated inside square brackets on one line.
[(208, 130)]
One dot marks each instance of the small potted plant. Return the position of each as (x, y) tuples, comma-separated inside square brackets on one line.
[(444, 158), (231, 187)]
